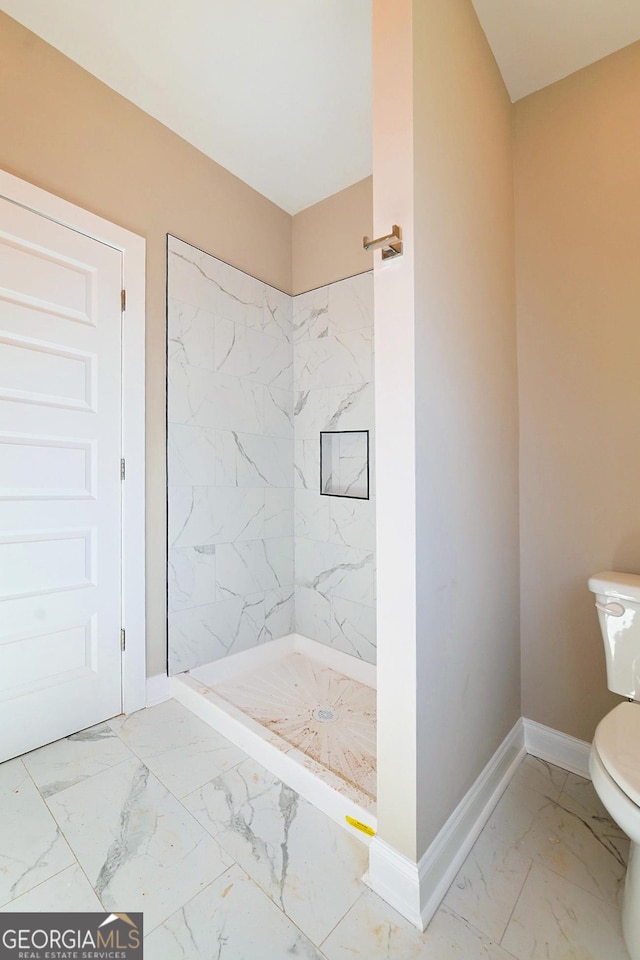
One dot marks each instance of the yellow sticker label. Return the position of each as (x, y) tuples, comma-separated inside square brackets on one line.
[(358, 825)]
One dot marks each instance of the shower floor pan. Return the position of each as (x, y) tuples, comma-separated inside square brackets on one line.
[(304, 711)]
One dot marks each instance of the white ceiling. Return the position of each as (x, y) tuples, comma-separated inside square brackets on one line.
[(536, 42), (279, 91)]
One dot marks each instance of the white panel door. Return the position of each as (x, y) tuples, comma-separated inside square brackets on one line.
[(60, 487)]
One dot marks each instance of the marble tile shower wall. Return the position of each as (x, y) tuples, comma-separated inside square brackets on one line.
[(230, 459), (334, 536), (255, 551)]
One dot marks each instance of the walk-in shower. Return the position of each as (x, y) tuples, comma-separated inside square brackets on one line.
[(271, 615)]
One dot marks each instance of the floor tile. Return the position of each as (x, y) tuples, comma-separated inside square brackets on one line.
[(137, 844), (32, 848), (549, 866), (588, 804), (486, 889), (69, 890), (307, 864), (535, 776), (575, 837), (372, 930), (62, 764), (535, 785), (182, 751), (232, 919), (556, 920)]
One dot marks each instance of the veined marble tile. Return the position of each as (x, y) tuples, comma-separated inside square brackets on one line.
[(488, 885), (307, 464), (554, 918), (278, 412), (334, 361), (205, 515), (32, 848), (311, 414), (305, 862), (190, 335), (352, 523), (311, 514), (183, 279), (335, 570), (191, 455), (180, 749), (351, 304), (311, 314), (253, 566), (539, 781), (231, 919), (353, 629), (192, 576), (201, 279), (277, 314), (278, 512), (188, 395), (577, 839), (240, 297), (279, 612), (253, 355), (250, 460), (373, 930), (533, 788), (351, 407), (198, 397), (233, 403), (136, 843), (68, 891), (61, 764), (313, 613), (202, 634)]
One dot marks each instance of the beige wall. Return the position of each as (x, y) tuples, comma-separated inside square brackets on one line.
[(327, 238), (68, 133), (468, 671), (395, 433), (446, 416), (578, 276)]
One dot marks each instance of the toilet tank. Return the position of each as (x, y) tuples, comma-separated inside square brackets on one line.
[(617, 598)]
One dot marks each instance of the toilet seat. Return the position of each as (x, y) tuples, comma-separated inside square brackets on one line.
[(617, 742)]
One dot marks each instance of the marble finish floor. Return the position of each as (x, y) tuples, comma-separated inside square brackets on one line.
[(157, 812), (326, 715)]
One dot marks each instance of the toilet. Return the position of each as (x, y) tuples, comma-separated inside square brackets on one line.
[(614, 762)]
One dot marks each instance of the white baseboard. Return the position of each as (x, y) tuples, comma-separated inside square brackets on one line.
[(158, 689), (416, 889), (396, 879), (555, 747)]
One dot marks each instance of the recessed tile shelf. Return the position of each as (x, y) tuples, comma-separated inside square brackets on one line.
[(344, 463)]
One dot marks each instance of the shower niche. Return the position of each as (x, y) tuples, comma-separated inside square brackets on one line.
[(344, 464)]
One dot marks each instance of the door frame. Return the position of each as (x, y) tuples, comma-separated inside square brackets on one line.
[(133, 249)]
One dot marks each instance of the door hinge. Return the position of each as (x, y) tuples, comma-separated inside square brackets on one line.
[(122, 639), (123, 300), (123, 469)]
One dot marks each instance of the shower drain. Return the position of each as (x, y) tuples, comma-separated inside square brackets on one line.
[(325, 714)]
